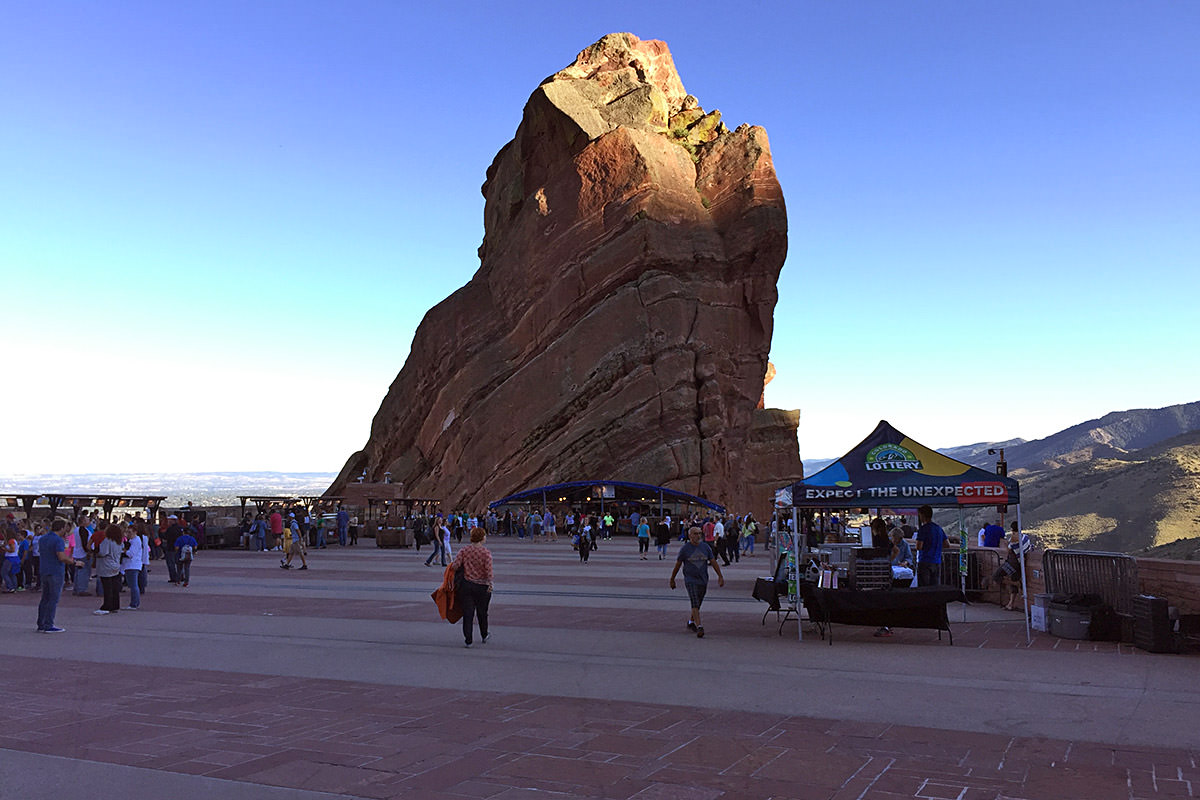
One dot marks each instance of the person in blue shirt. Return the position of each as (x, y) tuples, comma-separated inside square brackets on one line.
[(185, 550), (695, 556), (930, 540), (53, 558), (343, 525), (993, 535), (258, 533)]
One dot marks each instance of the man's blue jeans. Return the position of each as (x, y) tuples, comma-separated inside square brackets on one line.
[(52, 586), (342, 536), (133, 581), (260, 542), (83, 576)]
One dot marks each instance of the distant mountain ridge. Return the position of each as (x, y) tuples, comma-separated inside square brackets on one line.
[(1109, 436)]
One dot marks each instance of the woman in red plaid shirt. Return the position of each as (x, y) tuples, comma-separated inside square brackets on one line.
[(475, 592)]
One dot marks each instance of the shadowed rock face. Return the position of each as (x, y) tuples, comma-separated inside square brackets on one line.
[(619, 324)]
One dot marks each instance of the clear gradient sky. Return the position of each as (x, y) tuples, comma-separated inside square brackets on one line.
[(222, 221)]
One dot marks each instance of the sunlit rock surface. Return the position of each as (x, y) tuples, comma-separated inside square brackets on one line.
[(619, 324)]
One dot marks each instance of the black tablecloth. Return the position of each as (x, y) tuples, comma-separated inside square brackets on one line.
[(924, 607), (767, 590)]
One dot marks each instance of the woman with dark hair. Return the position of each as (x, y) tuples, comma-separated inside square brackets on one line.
[(879, 535), (662, 537), (108, 566)]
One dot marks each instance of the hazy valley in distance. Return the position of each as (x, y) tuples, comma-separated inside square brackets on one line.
[(1128, 482)]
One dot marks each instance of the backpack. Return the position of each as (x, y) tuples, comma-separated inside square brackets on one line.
[(185, 553)]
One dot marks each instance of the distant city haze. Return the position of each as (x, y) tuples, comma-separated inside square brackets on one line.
[(217, 247), (201, 488)]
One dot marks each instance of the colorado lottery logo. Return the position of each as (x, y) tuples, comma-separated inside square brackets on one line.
[(892, 458)]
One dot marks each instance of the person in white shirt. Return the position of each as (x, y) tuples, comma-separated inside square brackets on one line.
[(134, 548), (722, 550)]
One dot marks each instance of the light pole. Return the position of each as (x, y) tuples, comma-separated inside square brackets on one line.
[(1002, 471)]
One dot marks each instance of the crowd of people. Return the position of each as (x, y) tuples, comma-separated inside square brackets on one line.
[(95, 558), (728, 536), (107, 559)]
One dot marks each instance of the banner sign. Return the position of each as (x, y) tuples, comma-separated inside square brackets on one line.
[(972, 493)]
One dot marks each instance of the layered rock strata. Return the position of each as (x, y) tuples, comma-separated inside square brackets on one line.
[(619, 324)]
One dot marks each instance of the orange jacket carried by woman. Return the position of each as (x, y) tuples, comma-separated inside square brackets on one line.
[(446, 598)]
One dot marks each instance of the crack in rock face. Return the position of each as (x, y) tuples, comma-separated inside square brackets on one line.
[(620, 320)]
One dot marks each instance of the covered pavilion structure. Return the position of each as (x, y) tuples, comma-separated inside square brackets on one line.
[(107, 503), (599, 495)]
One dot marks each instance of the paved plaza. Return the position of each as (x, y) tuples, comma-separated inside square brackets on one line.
[(341, 681)]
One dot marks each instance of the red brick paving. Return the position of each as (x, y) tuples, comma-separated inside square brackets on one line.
[(373, 741), (389, 742)]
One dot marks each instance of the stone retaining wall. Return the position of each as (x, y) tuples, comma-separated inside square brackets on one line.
[(1177, 581)]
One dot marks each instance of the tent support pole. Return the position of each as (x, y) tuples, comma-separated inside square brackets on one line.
[(796, 558), (962, 559), (1024, 577)]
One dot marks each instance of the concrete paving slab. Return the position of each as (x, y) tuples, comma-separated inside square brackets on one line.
[(336, 679)]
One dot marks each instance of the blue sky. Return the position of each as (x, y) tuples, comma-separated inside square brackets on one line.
[(223, 221)]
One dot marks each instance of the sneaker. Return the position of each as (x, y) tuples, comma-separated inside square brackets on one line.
[(691, 626), (884, 631), (485, 638), (467, 644), (53, 629), (700, 632), (304, 567), (99, 612), (130, 608), (185, 584), (283, 566)]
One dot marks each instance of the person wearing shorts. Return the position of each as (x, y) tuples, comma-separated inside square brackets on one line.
[(695, 557)]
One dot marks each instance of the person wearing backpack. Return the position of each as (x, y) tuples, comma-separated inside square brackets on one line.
[(185, 551)]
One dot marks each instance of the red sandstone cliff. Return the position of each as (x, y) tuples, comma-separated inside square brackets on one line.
[(619, 323)]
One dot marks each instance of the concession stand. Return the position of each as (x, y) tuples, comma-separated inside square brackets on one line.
[(887, 470)]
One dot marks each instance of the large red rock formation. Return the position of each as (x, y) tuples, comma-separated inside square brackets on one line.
[(619, 324)]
